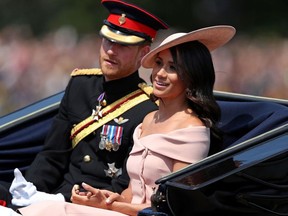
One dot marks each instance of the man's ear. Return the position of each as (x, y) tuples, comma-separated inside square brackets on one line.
[(145, 50)]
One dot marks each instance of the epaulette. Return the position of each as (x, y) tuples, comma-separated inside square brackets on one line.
[(90, 71), (146, 88)]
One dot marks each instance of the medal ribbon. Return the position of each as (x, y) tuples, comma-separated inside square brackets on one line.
[(111, 137), (119, 131), (110, 133)]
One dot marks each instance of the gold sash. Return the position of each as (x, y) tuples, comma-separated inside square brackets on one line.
[(87, 126)]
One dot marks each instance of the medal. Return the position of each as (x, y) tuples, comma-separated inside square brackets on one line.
[(102, 141), (96, 113), (111, 137), (112, 171), (108, 146)]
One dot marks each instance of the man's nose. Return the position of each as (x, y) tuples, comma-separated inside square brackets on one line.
[(112, 48)]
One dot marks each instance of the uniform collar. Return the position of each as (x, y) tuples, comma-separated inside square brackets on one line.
[(118, 88)]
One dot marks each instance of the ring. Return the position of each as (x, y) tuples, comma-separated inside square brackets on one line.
[(76, 187)]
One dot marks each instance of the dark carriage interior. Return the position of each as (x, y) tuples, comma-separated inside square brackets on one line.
[(22, 132)]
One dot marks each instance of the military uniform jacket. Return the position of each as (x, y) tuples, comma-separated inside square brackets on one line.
[(59, 166)]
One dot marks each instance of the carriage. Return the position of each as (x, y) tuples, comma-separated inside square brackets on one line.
[(249, 176)]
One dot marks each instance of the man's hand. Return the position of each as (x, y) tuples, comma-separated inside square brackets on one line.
[(25, 193)]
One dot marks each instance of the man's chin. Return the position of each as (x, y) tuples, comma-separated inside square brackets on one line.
[(109, 69), (110, 74)]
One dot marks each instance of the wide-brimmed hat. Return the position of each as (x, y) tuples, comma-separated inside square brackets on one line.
[(129, 24), (212, 37)]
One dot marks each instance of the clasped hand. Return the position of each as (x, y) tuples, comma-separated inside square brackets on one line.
[(94, 197), (25, 193)]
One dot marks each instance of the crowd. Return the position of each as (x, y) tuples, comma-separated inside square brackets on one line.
[(33, 68), (256, 66)]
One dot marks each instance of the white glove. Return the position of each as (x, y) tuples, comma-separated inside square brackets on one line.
[(4, 211), (25, 193)]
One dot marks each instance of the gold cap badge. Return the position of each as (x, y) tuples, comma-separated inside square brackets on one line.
[(122, 19)]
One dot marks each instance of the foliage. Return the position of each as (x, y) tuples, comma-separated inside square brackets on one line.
[(254, 16)]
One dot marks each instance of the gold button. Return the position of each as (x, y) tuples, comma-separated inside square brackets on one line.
[(87, 158)]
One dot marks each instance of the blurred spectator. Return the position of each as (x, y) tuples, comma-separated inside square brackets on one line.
[(33, 68), (256, 66)]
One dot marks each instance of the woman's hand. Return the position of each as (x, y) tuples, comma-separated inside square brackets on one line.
[(91, 197), (94, 197)]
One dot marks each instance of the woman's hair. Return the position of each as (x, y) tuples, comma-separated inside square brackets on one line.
[(195, 67)]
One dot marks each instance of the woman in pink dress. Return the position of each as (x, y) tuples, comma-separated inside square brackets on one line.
[(176, 135)]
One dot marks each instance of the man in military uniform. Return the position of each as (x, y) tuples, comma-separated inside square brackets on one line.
[(91, 136)]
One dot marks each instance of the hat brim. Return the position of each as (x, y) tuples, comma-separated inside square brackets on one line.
[(212, 37), (119, 37)]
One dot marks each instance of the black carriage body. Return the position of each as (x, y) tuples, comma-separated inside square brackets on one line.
[(248, 177)]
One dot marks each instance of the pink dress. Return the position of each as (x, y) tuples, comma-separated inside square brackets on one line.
[(151, 158)]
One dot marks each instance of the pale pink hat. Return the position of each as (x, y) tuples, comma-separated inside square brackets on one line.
[(212, 37)]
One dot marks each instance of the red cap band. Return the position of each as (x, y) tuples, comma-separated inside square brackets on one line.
[(132, 25)]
